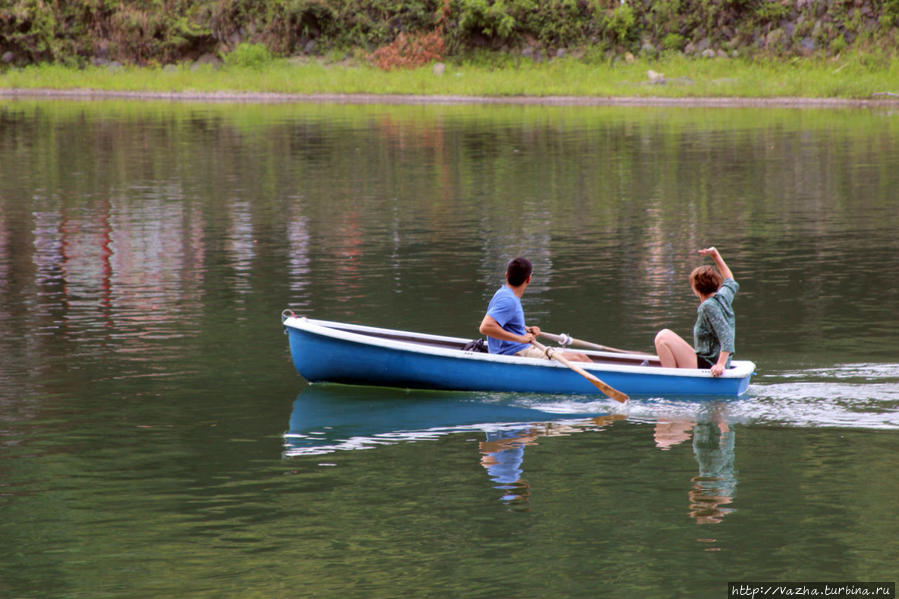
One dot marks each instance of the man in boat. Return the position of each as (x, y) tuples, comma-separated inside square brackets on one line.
[(504, 323)]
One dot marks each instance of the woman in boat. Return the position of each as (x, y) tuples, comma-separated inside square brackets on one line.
[(713, 333)]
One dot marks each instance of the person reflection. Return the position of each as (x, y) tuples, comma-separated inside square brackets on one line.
[(714, 486), (502, 454)]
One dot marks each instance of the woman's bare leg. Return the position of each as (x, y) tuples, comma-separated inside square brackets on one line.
[(673, 351)]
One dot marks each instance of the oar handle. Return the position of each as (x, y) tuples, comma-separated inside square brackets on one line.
[(564, 339), (553, 354)]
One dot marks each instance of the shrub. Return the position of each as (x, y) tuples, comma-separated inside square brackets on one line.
[(622, 24), (838, 45), (248, 55), (409, 51), (412, 50), (673, 41), (772, 10), (492, 19)]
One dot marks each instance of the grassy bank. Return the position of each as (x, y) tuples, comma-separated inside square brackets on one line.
[(674, 76)]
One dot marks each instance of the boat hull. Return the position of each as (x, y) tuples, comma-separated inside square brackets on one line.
[(353, 355)]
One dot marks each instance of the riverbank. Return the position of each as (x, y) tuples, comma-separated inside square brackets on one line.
[(263, 98), (840, 80)]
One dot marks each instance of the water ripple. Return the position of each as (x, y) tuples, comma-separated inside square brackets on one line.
[(846, 396), (856, 396)]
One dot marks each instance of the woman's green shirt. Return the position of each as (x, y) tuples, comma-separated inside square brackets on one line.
[(715, 325)]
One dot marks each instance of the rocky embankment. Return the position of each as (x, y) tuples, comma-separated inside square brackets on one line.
[(114, 32)]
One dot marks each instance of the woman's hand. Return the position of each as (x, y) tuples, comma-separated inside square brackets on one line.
[(718, 367), (719, 261)]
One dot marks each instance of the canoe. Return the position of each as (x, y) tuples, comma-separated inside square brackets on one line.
[(337, 352)]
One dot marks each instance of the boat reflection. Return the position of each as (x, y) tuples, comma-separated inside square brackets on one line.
[(330, 418)]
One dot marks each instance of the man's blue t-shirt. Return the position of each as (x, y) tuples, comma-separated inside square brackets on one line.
[(505, 308)]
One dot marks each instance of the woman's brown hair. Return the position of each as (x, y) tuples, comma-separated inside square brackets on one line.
[(705, 279)]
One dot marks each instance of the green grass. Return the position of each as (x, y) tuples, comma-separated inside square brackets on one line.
[(857, 77)]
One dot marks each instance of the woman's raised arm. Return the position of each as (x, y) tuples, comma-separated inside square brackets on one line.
[(719, 261)]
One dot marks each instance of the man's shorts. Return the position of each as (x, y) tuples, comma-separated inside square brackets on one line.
[(531, 352)]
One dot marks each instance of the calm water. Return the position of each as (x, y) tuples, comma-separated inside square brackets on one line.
[(155, 440)]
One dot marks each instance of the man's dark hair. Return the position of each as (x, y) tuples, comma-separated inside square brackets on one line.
[(518, 271)]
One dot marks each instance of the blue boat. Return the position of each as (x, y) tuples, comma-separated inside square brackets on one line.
[(364, 355)]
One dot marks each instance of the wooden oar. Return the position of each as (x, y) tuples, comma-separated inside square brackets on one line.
[(568, 340), (553, 353)]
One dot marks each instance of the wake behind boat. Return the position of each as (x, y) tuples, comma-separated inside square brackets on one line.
[(363, 355)]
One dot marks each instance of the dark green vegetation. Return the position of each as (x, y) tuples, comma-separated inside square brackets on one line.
[(147, 32)]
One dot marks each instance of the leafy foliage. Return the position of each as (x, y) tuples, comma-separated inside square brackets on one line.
[(249, 56), (164, 31), (622, 24)]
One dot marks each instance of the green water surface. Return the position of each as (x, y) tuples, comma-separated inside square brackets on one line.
[(155, 440)]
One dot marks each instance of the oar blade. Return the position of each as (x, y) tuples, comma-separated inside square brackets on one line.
[(615, 394), (612, 392)]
